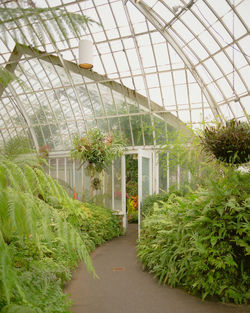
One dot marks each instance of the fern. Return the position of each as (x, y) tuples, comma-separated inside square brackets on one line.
[(8, 277), (39, 221), (33, 180)]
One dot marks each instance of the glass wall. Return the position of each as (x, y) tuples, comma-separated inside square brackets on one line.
[(172, 176), (117, 185), (79, 184)]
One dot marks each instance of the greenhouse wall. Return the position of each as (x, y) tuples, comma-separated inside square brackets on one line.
[(167, 175)]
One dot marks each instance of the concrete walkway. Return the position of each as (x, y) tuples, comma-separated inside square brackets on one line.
[(124, 288)]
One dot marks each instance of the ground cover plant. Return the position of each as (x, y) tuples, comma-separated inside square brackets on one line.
[(201, 241), (43, 235)]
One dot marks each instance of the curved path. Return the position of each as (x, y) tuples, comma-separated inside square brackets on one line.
[(124, 288)]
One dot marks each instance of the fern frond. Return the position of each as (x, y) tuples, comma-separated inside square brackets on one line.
[(54, 19), (8, 277), (33, 180)]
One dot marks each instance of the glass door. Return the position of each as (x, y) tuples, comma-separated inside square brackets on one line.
[(144, 180)]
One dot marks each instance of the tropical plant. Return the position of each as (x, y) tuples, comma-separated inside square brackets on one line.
[(228, 143), (201, 241), (132, 209)]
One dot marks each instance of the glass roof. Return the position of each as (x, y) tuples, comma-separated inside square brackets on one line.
[(181, 61)]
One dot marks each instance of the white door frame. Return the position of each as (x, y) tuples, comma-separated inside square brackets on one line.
[(154, 179)]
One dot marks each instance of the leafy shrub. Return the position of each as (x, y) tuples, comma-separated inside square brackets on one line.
[(97, 224), (149, 201), (229, 143), (201, 241), (43, 235)]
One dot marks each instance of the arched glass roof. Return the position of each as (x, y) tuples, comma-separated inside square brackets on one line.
[(154, 61)]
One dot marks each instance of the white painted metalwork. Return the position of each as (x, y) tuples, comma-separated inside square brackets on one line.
[(137, 46), (123, 177), (113, 185)]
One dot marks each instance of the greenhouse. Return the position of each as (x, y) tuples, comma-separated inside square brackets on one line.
[(124, 156)]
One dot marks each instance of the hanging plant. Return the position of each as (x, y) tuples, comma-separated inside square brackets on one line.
[(228, 143), (96, 150)]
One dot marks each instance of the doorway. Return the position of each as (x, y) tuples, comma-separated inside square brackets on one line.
[(132, 187), (138, 182)]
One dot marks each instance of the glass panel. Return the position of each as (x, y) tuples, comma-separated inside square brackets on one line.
[(117, 185), (61, 169), (86, 185), (163, 184), (145, 177), (53, 168), (126, 130), (137, 130), (78, 181), (107, 188), (172, 171), (69, 170), (183, 175), (148, 130)]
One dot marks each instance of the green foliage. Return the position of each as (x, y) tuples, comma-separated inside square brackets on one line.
[(16, 146), (149, 201), (43, 235), (96, 149), (184, 148), (201, 241), (13, 308), (95, 223), (228, 143), (19, 149)]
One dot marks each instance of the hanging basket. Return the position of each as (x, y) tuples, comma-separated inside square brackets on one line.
[(96, 150), (228, 143)]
